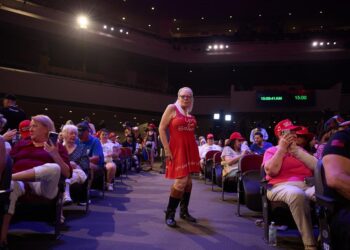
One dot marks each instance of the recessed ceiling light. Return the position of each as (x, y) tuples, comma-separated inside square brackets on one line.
[(174, 19), (190, 71), (334, 43), (221, 46), (230, 17), (152, 8), (230, 30), (321, 26), (321, 43), (226, 46), (135, 118), (260, 15), (321, 11), (70, 111), (46, 109), (328, 43), (210, 47), (215, 46), (314, 44), (290, 13), (178, 28), (202, 18), (112, 28), (124, 18), (127, 33), (294, 27), (149, 25), (105, 27), (121, 30)]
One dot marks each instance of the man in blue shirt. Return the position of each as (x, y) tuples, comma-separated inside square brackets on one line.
[(259, 146), (93, 148)]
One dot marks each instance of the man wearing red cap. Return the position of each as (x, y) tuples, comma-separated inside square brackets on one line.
[(208, 146), (286, 167)]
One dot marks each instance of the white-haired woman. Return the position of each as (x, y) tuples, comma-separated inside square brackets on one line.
[(37, 163), (181, 152), (78, 158)]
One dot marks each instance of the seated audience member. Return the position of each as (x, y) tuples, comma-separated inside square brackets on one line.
[(12, 113), (92, 128), (304, 137), (260, 129), (130, 143), (3, 151), (110, 152), (336, 162), (286, 166), (93, 148), (23, 129), (232, 153), (78, 158), (209, 146), (7, 136), (259, 146), (37, 167), (330, 127)]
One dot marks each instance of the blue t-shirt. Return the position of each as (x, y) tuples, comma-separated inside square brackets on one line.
[(93, 147), (258, 150)]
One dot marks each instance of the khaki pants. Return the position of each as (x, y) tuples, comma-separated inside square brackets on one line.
[(297, 195)]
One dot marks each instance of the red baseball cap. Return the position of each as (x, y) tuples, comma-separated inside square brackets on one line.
[(210, 136), (303, 131), (285, 125), (236, 135), (23, 128)]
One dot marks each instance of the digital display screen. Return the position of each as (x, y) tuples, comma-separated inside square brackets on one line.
[(285, 98)]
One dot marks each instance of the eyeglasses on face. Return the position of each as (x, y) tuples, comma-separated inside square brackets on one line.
[(186, 97)]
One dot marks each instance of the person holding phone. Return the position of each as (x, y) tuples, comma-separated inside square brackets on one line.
[(37, 165), (181, 152), (286, 167)]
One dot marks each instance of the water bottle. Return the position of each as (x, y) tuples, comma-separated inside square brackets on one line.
[(272, 234)]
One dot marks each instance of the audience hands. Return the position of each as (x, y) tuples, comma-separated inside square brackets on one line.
[(9, 134)]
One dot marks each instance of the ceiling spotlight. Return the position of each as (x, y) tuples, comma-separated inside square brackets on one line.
[(260, 15), (228, 117), (294, 27), (178, 28), (83, 21), (123, 18), (174, 19), (152, 8), (334, 43), (190, 71), (314, 44), (46, 109), (321, 43), (216, 46), (121, 30), (328, 43), (127, 33), (216, 116), (230, 30), (321, 11), (221, 46), (202, 18), (226, 46), (112, 28), (230, 17), (321, 27), (210, 47), (149, 25), (290, 13), (105, 27), (70, 111)]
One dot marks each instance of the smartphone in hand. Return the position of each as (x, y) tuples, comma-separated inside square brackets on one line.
[(53, 137)]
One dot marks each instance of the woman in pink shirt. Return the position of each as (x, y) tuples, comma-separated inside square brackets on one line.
[(286, 167)]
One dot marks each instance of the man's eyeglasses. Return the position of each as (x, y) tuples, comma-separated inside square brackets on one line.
[(186, 97)]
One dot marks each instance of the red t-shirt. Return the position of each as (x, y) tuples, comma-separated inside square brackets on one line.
[(26, 156), (292, 169)]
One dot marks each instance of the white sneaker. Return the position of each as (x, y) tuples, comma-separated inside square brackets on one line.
[(110, 187), (67, 199)]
